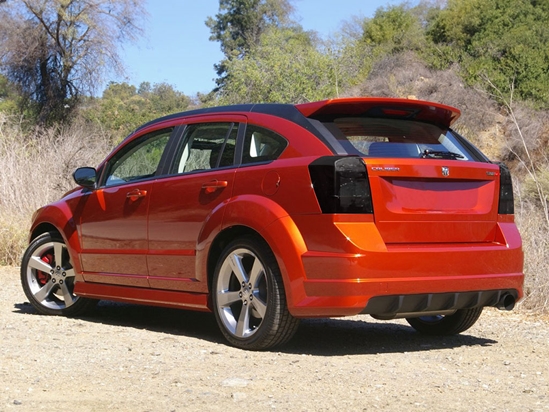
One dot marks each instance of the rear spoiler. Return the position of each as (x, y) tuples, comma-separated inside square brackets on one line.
[(421, 110)]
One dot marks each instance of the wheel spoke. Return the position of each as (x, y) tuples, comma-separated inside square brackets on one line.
[(227, 298), (67, 295), (70, 273), (243, 324), (259, 305), (256, 273), (236, 265), (44, 291), (58, 253), (36, 263)]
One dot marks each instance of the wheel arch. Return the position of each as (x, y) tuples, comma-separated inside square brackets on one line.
[(42, 228), (55, 219), (262, 217)]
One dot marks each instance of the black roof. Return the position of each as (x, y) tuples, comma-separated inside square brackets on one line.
[(285, 111)]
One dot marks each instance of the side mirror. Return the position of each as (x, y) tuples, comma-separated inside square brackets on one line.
[(85, 177)]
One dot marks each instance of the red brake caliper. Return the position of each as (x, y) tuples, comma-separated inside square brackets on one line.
[(44, 277)]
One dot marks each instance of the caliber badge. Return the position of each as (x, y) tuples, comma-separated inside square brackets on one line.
[(445, 171)]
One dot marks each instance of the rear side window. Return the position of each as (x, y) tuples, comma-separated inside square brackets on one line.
[(394, 138), (206, 146), (262, 145)]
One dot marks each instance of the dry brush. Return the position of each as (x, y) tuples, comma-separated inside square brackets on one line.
[(36, 169)]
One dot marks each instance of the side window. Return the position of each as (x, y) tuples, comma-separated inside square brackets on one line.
[(261, 145), (206, 146), (138, 161)]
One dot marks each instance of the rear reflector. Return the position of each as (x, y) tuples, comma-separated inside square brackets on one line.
[(506, 199), (341, 185)]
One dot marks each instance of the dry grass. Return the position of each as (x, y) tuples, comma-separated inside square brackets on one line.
[(36, 170), (535, 238), (13, 237)]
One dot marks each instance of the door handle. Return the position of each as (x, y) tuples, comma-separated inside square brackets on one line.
[(136, 194), (212, 186)]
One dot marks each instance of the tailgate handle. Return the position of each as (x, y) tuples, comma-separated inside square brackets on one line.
[(212, 186), (136, 194)]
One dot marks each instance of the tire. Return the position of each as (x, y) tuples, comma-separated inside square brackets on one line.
[(459, 322), (248, 296), (47, 276)]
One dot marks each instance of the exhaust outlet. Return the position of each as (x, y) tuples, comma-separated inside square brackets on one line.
[(506, 302)]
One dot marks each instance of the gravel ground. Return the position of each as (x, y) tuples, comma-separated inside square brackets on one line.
[(134, 358)]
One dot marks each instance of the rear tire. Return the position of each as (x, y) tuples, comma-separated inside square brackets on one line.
[(48, 277), (459, 322), (248, 296)]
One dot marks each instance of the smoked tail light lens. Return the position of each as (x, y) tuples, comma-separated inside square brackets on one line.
[(506, 199), (341, 184)]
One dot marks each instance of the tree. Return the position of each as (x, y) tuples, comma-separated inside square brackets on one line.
[(394, 29), (285, 67), (503, 40), (124, 107), (8, 95), (239, 25), (56, 51)]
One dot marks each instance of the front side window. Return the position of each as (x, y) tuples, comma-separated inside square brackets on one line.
[(206, 146), (262, 145), (378, 137), (138, 161)]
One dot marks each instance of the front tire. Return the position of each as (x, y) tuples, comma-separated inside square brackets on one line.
[(248, 296), (47, 277), (459, 322)]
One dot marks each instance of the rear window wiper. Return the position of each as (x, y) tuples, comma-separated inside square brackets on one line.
[(442, 155)]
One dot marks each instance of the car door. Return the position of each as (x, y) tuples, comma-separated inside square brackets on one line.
[(200, 181), (113, 219)]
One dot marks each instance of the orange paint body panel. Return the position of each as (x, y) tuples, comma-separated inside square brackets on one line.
[(344, 225)]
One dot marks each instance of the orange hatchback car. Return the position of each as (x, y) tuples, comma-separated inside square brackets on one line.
[(268, 213)]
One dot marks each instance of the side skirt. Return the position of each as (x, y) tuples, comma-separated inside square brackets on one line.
[(143, 296)]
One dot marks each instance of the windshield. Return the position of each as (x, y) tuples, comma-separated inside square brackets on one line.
[(394, 138)]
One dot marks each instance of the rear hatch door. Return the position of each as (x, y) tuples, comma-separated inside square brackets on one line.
[(428, 183), (434, 201)]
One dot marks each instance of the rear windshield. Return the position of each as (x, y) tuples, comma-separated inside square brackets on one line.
[(393, 138)]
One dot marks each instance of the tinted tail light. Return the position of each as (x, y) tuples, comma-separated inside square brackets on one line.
[(506, 199), (341, 185)]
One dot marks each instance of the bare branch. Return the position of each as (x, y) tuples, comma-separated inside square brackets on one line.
[(58, 50), (528, 162)]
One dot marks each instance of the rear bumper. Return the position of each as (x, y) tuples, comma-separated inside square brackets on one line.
[(345, 298), (342, 284)]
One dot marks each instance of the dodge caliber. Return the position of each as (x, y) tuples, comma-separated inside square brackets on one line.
[(265, 214)]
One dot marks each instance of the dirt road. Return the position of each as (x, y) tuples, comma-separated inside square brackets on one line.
[(133, 358)]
